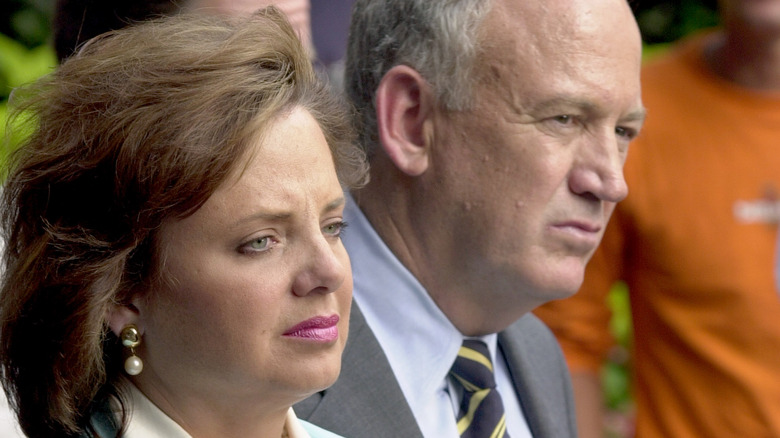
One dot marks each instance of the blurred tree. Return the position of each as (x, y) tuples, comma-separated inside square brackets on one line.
[(24, 34), (27, 21), (24, 54), (666, 21)]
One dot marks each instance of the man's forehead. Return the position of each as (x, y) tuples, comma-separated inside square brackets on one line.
[(554, 20)]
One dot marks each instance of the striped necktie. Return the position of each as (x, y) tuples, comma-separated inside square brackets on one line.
[(481, 411)]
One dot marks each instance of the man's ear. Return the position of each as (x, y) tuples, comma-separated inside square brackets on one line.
[(405, 108), (121, 315)]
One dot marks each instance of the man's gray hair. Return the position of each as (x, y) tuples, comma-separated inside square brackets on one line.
[(438, 38)]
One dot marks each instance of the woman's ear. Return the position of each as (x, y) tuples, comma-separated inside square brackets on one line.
[(405, 108), (122, 315)]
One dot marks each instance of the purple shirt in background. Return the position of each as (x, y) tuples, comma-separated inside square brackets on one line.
[(329, 28)]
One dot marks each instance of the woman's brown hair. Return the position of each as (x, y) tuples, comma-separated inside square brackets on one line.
[(139, 127)]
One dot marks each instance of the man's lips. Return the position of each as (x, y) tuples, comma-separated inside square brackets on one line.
[(318, 328), (583, 235), (583, 226)]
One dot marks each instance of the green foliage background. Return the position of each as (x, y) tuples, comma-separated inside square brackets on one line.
[(25, 55)]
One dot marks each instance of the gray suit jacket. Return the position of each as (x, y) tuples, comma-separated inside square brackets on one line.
[(366, 401)]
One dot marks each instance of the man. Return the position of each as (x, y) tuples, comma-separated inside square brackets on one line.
[(497, 132), (696, 242)]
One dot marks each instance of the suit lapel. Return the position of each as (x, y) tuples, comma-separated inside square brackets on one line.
[(540, 378), (366, 400)]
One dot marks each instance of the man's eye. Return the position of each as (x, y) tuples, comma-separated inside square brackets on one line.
[(626, 133), (564, 119)]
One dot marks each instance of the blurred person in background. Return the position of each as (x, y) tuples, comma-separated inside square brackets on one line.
[(76, 21), (329, 29)]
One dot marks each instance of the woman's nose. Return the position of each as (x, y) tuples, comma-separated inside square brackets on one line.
[(324, 267)]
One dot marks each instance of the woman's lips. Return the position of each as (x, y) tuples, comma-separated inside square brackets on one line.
[(319, 328)]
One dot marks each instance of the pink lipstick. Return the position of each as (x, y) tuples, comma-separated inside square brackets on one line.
[(318, 329)]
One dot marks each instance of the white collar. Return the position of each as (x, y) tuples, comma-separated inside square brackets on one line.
[(148, 421), (404, 318)]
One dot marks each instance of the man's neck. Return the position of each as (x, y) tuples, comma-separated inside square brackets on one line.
[(412, 237), (750, 59)]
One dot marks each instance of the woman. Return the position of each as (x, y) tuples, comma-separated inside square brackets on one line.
[(173, 265)]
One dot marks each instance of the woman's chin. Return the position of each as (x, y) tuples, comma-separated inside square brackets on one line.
[(313, 378)]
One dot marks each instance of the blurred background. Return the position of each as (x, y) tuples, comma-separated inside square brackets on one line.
[(26, 54)]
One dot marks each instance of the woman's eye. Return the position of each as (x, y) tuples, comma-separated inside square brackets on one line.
[(335, 228), (258, 245)]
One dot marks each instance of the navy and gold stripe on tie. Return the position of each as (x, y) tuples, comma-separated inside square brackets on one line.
[(481, 412)]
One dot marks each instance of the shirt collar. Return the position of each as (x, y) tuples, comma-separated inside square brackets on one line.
[(148, 421), (402, 315)]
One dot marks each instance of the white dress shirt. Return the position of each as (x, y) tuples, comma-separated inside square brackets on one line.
[(148, 421), (419, 341), (9, 428)]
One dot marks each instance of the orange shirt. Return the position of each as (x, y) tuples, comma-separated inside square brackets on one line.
[(696, 242)]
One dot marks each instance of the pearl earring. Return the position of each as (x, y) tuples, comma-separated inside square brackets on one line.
[(131, 339)]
